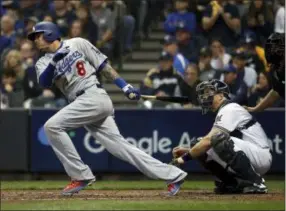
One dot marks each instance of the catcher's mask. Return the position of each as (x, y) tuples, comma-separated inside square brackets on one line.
[(207, 90)]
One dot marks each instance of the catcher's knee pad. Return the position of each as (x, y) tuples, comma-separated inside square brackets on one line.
[(236, 160), (223, 146)]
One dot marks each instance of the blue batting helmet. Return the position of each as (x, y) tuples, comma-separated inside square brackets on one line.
[(50, 31)]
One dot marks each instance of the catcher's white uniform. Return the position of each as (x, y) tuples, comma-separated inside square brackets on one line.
[(247, 135)]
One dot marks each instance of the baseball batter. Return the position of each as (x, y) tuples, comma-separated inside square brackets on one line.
[(236, 150), (72, 66)]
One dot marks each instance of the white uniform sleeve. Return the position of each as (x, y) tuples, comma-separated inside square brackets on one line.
[(280, 21), (93, 55), (231, 117)]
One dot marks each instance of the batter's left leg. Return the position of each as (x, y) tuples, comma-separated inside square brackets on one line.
[(64, 148), (109, 136)]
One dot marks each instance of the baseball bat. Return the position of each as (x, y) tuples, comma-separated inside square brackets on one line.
[(166, 98)]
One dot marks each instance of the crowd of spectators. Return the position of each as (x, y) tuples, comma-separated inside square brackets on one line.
[(204, 40), (220, 39), (99, 21)]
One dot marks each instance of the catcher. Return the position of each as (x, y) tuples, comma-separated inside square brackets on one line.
[(236, 150)]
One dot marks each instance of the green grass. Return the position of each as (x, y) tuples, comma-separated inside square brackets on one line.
[(178, 203), (144, 205), (119, 185)]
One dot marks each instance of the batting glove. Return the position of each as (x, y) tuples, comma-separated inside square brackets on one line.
[(60, 54), (131, 93)]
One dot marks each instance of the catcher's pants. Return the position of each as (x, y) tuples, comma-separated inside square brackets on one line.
[(260, 158), (94, 111)]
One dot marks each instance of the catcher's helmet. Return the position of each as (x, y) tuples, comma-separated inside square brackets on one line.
[(274, 48), (50, 31), (206, 91)]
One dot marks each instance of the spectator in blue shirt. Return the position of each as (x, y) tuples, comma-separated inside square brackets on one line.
[(237, 87), (4, 43), (180, 62), (8, 28), (189, 44), (181, 15)]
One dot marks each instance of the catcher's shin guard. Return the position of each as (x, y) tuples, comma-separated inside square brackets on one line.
[(215, 168), (237, 161), (218, 171)]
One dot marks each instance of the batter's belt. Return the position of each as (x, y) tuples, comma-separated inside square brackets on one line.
[(81, 92)]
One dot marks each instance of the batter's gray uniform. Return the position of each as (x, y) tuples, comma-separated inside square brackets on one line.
[(91, 107)]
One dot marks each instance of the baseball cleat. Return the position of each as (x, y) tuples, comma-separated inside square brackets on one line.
[(243, 187), (255, 189), (174, 188), (76, 186)]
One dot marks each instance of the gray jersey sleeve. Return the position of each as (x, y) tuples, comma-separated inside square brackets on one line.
[(40, 66), (93, 55)]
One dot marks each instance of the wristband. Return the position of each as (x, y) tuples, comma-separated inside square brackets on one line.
[(126, 88), (186, 157), (121, 83)]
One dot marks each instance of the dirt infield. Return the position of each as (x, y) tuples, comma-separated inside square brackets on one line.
[(29, 195)]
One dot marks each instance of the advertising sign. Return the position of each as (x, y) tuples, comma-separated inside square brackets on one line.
[(154, 131)]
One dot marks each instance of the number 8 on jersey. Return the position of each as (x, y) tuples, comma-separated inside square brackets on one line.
[(80, 68)]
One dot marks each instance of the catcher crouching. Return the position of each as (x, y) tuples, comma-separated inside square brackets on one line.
[(236, 150)]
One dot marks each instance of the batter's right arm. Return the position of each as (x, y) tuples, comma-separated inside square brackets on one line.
[(110, 74)]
